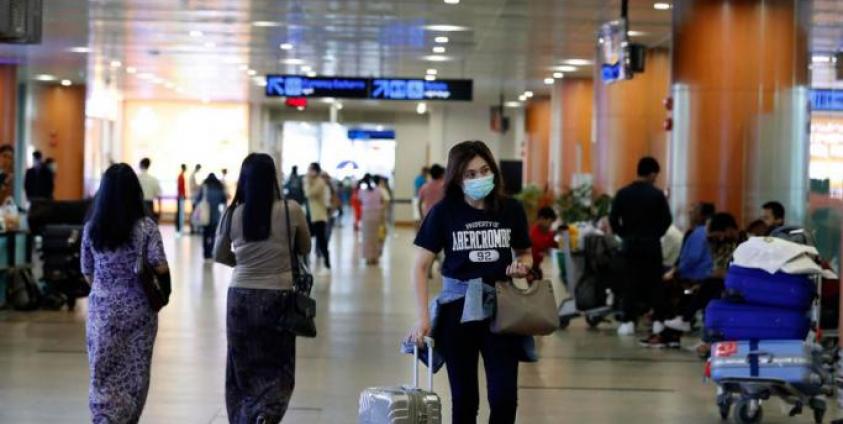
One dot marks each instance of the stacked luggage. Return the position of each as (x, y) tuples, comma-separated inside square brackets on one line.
[(60, 253), (763, 344)]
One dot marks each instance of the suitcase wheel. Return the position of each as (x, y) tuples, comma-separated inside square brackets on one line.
[(748, 411), (724, 405)]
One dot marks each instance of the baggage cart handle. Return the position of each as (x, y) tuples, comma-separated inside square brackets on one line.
[(429, 342), (760, 354)]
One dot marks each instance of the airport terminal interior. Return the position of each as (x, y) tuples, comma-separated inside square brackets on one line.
[(677, 166)]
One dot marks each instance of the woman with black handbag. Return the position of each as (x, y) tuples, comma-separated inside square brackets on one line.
[(123, 258), (262, 236)]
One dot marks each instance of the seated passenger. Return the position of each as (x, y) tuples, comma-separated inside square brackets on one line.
[(723, 238), (542, 238), (773, 215)]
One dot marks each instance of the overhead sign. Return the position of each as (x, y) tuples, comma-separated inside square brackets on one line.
[(827, 100), (365, 134), (368, 88)]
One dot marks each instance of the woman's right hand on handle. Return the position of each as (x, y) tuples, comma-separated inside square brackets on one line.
[(420, 331)]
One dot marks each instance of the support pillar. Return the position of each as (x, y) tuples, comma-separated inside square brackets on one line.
[(630, 124), (740, 89)]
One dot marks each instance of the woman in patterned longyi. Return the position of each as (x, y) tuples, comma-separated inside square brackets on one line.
[(121, 326)]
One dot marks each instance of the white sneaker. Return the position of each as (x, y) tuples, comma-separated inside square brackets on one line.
[(678, 324), (626, 329), (658, 327)]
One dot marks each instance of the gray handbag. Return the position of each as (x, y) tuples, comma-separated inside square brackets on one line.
[(525, 312), (222, 245)]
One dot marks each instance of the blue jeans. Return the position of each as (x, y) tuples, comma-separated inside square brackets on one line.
[(461, 344)]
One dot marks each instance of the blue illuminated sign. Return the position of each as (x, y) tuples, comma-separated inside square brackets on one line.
[(364, 134), (368, 88), (297, 86), (827, 100)]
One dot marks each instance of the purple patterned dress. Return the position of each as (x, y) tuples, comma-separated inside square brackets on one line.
[(121, 327)]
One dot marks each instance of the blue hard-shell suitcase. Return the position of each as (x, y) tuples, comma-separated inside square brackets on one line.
[(790, 361), (738, 322), (759, 287)]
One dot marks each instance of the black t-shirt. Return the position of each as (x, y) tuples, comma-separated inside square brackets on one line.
[(477, 243)]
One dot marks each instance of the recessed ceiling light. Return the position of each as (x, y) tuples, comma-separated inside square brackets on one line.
[(266, 24), (528, 94), (421, 108), (292, 61), (432, 71), (636, 33), (260, 81), (116, 64), (79, 50), (436, 58), (558, 75), (430, 77), (252, 72), (565, 68), (328, 100), (446, 28), (661, 6), (820, 58), (549, 81), (196, 33), (452, 1), (45, 77), (286, 46), (66, 83), (306, 68), (441, 39), (577, 62), (338, 105), (131, 70), (311, 74), (522, 98), (512, 104), (438, 50)]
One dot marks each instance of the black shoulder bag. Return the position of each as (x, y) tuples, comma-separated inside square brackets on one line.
[(299, 309), (154, 286)]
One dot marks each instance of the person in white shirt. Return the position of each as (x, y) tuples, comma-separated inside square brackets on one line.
[(194, 184), (671, 246), (151, 188)]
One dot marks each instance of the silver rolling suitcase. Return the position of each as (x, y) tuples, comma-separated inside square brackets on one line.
[(403, 404)]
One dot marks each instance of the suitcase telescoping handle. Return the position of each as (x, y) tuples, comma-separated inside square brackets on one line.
[(429, 342)]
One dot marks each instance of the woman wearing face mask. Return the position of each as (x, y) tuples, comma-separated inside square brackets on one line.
[(479, 228)]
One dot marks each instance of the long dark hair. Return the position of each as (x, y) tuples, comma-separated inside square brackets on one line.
[(118, 206), (213, 182), (458, 159), (257, 191)]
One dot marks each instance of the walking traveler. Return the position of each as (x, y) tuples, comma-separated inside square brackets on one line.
[(253, 238), (181, 195), (294, 187), (640, 217), (418, 183), (121, 325), (372, 219), (38, 181), (316, 192), (212, 191), (478, 228), (433, 191), (151, 189)]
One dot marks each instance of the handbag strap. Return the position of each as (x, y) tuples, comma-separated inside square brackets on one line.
[(294, 258), (142, 253)]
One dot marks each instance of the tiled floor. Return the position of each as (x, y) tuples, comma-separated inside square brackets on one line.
[(583, 377)]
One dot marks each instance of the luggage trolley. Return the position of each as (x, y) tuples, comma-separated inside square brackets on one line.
[(743, 397), (590, 298)]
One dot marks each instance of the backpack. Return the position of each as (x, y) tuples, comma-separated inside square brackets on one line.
[(24, 293)]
